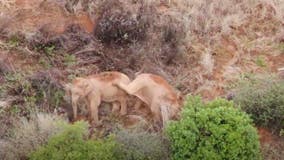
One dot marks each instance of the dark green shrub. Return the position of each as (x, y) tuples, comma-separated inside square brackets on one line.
[(215, 130), (141, 145), (71, 145), (118, 26), (263, 99)]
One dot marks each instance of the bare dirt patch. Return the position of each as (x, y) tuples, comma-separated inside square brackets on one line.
[(28, 16), (272, 145)]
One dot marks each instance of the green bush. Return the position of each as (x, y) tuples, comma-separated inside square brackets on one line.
[(263, 99), (215, 130), (71, 145), (141, 145)]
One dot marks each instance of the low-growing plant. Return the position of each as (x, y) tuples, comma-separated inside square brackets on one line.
[(28, 135), (141, 145), (281, 47), (13, 41), (13, 77), (71, 143), (262, 98), (260, 61), (282, 132), (69, 60), (49, 50), (45, 63), (216, 130), (14, 109)]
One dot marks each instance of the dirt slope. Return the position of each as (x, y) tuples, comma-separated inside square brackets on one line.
[(200, 47)]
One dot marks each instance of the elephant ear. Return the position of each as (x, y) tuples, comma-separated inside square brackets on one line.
[(87, 87), (67, 87)]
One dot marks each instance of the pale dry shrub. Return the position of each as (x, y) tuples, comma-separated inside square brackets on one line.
[(141, 145), (28, 135), (6, 4)]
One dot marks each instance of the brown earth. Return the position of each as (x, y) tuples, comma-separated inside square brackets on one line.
[(271, 144), (30, 15)]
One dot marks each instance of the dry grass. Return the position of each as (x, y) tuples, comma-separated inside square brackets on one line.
[(28, 135), (6, 4)]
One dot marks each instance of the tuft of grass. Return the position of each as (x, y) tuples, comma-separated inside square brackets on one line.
[(282, 132), (260, 61), (281, 47), (49, 50), (69, 60), (45, 63), (13, 41), (15, 109), (13, 77)]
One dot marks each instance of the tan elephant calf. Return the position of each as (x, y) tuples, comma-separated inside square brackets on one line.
[(155, 91), (97, 88)]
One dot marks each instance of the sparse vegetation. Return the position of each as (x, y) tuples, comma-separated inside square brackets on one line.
[(215, 130), (27, 135), (141, 145)]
